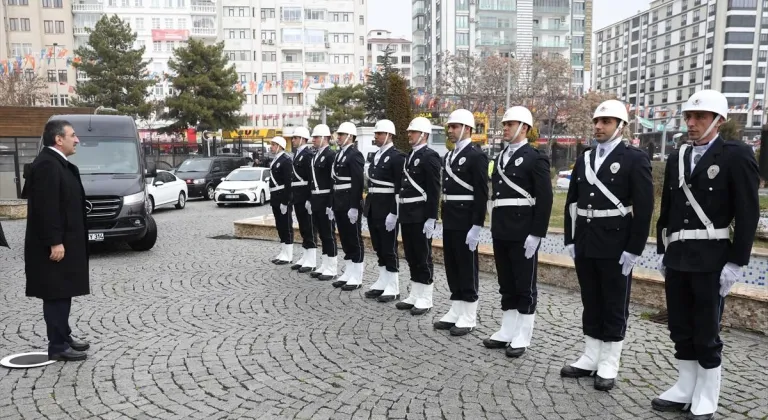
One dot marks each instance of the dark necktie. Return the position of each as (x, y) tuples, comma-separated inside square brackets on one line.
[(601, 152), (696, 158)]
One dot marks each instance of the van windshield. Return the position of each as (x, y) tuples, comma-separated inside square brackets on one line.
[(195, 165), (100, 156)]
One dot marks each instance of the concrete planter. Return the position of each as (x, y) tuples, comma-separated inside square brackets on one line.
[(13, 209)]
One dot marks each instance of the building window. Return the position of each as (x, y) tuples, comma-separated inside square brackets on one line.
[(268, 56), (362, 20), (48, 26), (267, 14)]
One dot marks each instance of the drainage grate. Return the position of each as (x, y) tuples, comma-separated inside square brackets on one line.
[(659, 318)]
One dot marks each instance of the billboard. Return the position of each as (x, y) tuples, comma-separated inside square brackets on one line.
[(170, 34)]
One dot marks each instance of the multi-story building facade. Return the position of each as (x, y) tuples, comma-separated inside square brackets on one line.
[(379, 41), (36, 37), (520, 28), (658, 58), (287, 52)]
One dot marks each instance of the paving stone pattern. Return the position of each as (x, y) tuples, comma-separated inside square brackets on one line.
[(208, 328)]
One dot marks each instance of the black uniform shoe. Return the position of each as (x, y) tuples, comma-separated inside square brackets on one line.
[(514, 352), (574, 372), (602, 384), (387, 298), (663, 405), (69, 355), (295, 266), (419, 311), (351, 287), (325, 277), (440, 325), (306, 269), (339, 283), (281, 262), (709, 416), (79, 345), (373, 293), (274, 261), (403, 305), (315, 274), (459, 331), (494, 344)]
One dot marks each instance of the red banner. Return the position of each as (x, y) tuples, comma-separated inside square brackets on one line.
[(170, 34), (191, 136)]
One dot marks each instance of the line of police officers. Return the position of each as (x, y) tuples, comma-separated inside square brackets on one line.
[(707, 186)]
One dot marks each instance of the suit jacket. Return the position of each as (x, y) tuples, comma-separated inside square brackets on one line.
[(725, 184), (529, 169), (55, 215), (471, 166), (302, 166), (388, 169), (631, 182), (424, 169), (281, 173), (349, 163), (321, 180)]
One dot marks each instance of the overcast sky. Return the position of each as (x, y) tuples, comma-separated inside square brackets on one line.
[(395, 15)]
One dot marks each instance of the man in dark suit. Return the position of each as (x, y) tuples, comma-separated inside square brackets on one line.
[(465, 197), (321, 201), (520, 204), (607, 218), (302, 175), (384, 176), (419, 193), (56, 243), (280, 174), (347, 174), (707, 186)]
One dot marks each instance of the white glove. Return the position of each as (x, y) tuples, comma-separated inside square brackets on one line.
[(390, 222), (429, 228), (352, 214), (531, 244), (473, 237), (731, 274), (571, 249), (283, 208), (662, 269), (329, 213), (627, 261), (308, 206)]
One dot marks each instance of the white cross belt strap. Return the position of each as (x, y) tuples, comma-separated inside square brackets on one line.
[(454, 197), (414, 185), (276, 188), (338, 187), (710, 232), (592, 179), (516, 187), (512, 202), (384, 183), (450, 173)]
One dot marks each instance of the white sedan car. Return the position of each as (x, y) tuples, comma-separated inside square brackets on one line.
[(166, 189), (563, 180), (244, 185)]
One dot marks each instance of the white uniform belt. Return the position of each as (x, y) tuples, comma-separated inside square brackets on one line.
[(328, 191), (592, 213), (697, 234), (299, 183), (344, 178), (342, 187), (458, 197), (513, 202), (377, 190), (277, 188), (404, 200)]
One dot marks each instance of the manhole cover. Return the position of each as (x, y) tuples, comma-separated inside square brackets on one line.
[(26, 360)]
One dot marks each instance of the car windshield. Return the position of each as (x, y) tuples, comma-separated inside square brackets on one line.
[(239, 175), (96, 156), (195, 165)]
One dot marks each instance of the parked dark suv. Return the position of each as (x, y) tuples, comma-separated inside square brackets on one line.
[(202, 175)]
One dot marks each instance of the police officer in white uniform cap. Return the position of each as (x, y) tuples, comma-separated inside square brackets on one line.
[(302, 174), (520, 204), (281, 172), (321, 201), (607, 219), (707, 186), (465, 197)]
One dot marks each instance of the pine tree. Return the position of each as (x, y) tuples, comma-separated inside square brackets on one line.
[(203, 81), (398, 102), (342, 103), (115, 70), (376, 89)]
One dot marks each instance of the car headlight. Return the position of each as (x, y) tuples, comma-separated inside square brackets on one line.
[(253, 189), (199, 181), (139, 197)]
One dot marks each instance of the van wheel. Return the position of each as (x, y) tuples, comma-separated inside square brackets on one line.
[(148, 241), (182, 201), (262, 198), (210, 192)]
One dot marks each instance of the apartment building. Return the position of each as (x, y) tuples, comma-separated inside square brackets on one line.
[(36, 37), (518, 28), (658, 58), (379, 41), (287, 52)]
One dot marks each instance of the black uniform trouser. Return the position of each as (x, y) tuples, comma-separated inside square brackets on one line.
[(461, 266), (283, 223), (384, 243), (605, 296), (418, 252), (56, 315), (307, 227), (349, 234), (325, 228), (517, 276), (695, 308)]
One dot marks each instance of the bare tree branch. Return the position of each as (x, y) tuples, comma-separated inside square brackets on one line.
[(548, 89), (580, 112), (23, 89)]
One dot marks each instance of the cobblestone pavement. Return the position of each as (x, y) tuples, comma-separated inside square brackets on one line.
[(207, 328)]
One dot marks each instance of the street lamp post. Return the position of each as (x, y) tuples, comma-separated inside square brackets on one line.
[(56, 69)]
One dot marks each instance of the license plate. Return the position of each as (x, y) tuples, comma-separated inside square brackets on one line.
[(95, 237), (232, 196)]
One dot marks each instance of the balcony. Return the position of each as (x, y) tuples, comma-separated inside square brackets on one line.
[(80, 31), (204, 32), (550, 44), (551, 27), (419, 11), (564, 11), (88, 8), (316, 67), (291, 65), (203, 10)]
